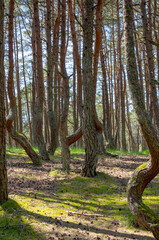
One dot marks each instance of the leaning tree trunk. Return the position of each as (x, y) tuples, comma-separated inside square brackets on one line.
[(146, 172), (89, 131), (20, 138), (3, 168)]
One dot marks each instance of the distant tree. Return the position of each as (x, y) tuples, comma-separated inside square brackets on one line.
[(147, 34), (146, 172), (3, 169)]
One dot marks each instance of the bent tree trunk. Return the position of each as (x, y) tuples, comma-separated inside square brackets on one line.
[(20, 138), (146, 172), (3, 169)]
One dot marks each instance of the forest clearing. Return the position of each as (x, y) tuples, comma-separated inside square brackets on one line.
[(48, 203)]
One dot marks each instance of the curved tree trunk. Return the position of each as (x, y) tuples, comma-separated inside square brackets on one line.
[(20, 138), (146, 172), (3, 167)]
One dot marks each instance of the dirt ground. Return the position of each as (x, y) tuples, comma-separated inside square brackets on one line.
[(120, 168)]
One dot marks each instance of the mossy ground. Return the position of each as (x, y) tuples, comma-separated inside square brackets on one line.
[(47, 203)]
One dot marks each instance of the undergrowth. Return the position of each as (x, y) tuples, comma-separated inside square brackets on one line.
[(51, 204)]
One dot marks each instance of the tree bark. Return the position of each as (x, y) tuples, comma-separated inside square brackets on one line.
[(89, 131), (20, 138), (25, 84), (51, 115), (65, 153), (3, 164), (39, 87), (146, 172)]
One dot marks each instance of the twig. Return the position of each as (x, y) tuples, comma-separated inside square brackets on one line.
[(70, 213)]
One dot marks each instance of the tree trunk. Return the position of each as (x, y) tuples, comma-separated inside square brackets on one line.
[(20, 138), (89, 131), (20, 125), (25, 84), (65, 153), (39, 87), (146, 172), (51, 115), (3, 167)]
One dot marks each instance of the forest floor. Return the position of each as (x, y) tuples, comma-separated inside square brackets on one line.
[(47, 203)]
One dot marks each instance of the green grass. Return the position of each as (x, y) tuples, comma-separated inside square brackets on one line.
[(116, 151), (32, 213)]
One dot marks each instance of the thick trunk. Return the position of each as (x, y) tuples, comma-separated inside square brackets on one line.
[(144, 215), (145, 173), (3, 168), (89, 131)]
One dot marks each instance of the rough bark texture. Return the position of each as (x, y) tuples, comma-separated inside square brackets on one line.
[(51, 115), (146, 172), (65, 153), (89, 131), (3, 169), (39, 87)]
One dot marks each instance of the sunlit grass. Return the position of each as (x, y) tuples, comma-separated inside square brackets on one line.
[(32, 213)]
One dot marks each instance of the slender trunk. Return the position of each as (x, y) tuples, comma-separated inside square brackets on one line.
[(3, 164), (120, 85), (150, 59), (39, 87), (65, 153), (19, 127), (106, 104), (26, 91), (51, 115)]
